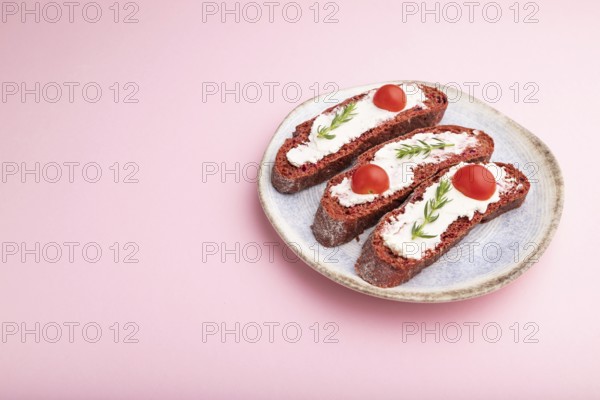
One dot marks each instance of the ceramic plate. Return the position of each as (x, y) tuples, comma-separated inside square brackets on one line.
[(491, 256)]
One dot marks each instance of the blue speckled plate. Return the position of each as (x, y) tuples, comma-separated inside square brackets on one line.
[(491, 256)]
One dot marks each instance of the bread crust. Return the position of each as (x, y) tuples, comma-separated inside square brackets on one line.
[(380, 267), (287, 178), (335, 224)]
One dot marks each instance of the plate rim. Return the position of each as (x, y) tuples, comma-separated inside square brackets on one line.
[(477, 289)]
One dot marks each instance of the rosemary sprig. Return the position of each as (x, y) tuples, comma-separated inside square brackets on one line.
[(431, 207), (346, 115), (409, 151)]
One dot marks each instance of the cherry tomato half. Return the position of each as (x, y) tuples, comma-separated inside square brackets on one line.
[(390, 97), (370, 179), (475, 181)]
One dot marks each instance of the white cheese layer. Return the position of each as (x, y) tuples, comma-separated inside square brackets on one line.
[(367, 116), (397, 233), (400, 171)]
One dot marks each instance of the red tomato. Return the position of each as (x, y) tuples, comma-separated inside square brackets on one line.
[(370, 179), (390, 97), (475, 181)]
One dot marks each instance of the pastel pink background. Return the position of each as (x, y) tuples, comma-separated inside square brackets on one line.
[(171, 212)]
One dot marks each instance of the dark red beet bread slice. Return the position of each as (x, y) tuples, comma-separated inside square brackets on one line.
[(336, 224), (287, 178), (379, 266)]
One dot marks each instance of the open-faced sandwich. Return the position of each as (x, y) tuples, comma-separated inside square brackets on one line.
[(439, 213), (384, 177), (328, 143)]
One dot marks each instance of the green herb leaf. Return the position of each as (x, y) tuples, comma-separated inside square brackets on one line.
[(431, 207), (340, 118), (424, 149)]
